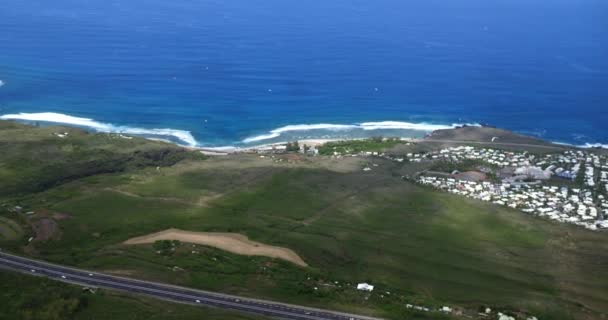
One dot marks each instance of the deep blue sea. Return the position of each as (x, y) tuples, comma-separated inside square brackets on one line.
[(244, 72)]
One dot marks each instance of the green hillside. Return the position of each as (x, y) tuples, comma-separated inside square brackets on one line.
[(416, 245)]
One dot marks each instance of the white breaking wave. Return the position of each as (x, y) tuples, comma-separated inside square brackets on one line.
[(585, 146), (595, 145), (262, 137), (1, 83), (564, 144), (222, 148), (299, 127), (181, 135), (367, 126), (399, 125)]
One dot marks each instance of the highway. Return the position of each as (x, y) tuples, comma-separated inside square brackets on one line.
[(170, 292)]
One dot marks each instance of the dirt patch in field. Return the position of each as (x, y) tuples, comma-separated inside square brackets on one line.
[(61, 216), (46, 213), (45, 229), (231, 242), (292, 157)]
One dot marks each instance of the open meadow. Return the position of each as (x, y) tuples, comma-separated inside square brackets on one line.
[(416, 245)]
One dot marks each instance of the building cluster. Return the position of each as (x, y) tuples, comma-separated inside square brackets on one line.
[(581, 198), (564, 204), (495, 157)]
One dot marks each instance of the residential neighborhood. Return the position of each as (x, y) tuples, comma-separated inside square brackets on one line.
[(570, 187)]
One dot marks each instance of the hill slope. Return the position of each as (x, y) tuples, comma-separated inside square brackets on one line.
[(484, 134), (424, 247)]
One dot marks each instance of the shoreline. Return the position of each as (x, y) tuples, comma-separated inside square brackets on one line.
[(289, 132), (261, 147), (280, 145), (154, 134)]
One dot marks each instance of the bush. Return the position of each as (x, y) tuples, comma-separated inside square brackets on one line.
[(376, 144), (166, 247), (292, 147)]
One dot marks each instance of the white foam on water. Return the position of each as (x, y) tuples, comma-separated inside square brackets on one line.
[(564, 144), (318, 126), (400, 125), (594, 145), (584, 146), (186, 138), (59, 118), (262, 137), (367, 126), (222, 149), (299, 127)]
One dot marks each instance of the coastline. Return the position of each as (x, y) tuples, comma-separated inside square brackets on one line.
[(343, 132), (280, 145), (263, 147), (314, 133)]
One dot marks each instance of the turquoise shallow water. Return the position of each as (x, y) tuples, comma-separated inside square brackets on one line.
[(240, 72)]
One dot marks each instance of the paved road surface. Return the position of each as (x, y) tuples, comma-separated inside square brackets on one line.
[(168, 292)]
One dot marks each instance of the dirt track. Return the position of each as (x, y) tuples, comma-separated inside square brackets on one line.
[(232, 242)]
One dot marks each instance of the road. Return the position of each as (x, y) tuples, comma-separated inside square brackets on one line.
[(169, 292)]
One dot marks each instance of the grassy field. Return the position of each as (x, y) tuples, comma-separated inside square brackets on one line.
[(41, 299), (357, 146), (9, 229), (34, 159), (350, 226)]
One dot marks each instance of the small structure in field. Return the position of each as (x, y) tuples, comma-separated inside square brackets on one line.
[(365, 287)]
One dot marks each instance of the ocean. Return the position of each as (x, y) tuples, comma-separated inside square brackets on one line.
[(246, 72)]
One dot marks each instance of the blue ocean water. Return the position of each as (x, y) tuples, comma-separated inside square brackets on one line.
[(229, 72)]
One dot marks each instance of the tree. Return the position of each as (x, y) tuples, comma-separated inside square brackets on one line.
[(292, 147)]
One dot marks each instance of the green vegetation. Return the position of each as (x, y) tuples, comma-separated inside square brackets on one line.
[(434, 246), (34, 298), (9, 229), (356, 146), (166, 247), (292, 147), (31, 298), (422, 246), (35, 159), (580, 178)]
